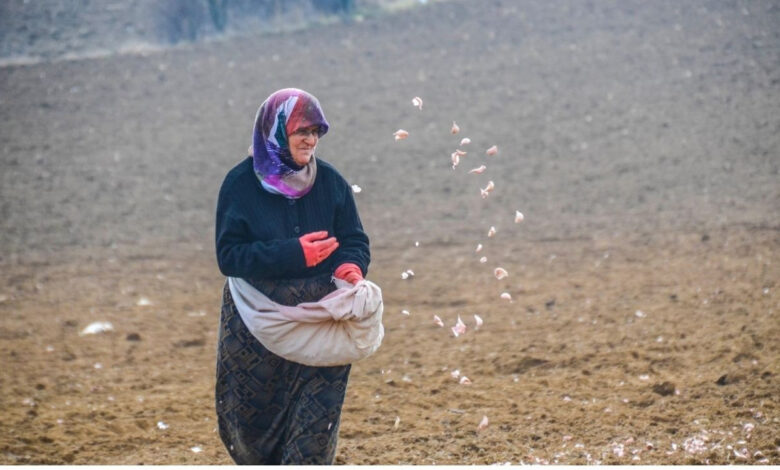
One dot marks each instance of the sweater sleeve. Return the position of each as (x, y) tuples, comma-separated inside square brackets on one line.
[(238, 255), (353, 241)]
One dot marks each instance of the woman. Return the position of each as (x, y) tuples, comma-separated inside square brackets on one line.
[(286, 224)]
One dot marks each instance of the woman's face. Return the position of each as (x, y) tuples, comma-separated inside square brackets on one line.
[(302, 143)]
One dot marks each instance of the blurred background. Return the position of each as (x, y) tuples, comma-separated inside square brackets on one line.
[(52, 29)]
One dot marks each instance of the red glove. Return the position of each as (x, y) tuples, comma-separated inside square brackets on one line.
[(316, 247), (349, 272)]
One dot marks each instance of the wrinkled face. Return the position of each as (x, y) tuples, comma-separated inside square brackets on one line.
[(302, 143)]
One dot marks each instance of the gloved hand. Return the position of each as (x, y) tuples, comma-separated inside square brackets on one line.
[(349, 272), (316, 247)]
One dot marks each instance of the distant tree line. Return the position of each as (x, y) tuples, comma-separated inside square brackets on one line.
[(186, 20)]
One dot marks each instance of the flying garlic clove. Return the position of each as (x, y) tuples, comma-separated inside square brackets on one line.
[(500, 273), (455, 160), (460, 152), (519, 217), (492, 231), (400, 134), (483, 260), (465, 141), (397, 422), (455, 374), (356, 189), (492, 150), (417, 101), (459, 328), (404, 275), (506, 296), (464, 381), (455, 129), (479, 248), (405, 312), (478, 170), (485, 192), (483, 424), (437, 321), (478, 320)]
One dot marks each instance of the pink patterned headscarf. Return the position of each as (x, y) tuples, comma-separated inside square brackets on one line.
[(280, 115)]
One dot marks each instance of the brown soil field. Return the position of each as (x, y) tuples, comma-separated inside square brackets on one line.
[(640, 139)]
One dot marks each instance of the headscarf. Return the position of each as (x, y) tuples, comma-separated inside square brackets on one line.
[(282, 113)]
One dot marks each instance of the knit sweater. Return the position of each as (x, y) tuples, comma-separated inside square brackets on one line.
[(257, 232)]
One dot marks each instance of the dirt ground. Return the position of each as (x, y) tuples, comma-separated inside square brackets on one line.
[(640, 139)]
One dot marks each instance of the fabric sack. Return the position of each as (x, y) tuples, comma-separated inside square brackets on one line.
[(343, 327)]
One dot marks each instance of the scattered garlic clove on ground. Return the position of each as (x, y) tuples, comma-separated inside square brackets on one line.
[(97, 327), (500, 273), (483, 424)]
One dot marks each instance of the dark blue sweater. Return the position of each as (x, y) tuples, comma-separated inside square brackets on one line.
[(257, 232)]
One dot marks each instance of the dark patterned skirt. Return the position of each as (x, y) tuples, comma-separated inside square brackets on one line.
[(271, 410)]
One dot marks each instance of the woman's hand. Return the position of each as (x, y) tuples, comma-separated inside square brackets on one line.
[(316, 247), (349, 272)]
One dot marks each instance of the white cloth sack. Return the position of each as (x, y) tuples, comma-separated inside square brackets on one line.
[(341, 328)]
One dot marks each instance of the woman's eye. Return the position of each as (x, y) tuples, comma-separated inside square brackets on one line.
[(307, 132)]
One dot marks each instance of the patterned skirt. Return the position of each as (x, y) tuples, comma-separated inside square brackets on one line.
[(271, 410)]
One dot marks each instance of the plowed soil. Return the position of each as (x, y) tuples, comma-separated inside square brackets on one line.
[(640, 139)]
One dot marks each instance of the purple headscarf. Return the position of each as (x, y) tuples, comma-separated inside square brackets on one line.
[(280, 115)]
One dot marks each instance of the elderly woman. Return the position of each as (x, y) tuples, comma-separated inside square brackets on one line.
[(287, 225)]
